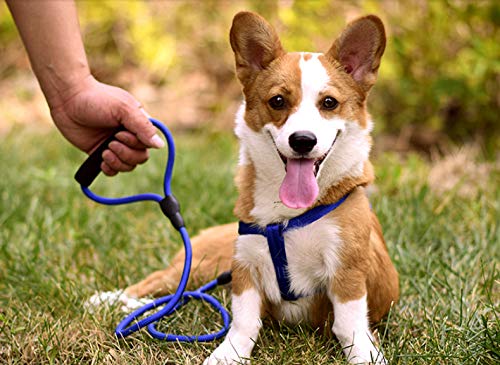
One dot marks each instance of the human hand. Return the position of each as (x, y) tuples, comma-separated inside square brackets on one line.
[(91, 111)]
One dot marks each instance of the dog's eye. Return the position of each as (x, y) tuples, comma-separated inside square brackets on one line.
[(277, 102), (329, 103)]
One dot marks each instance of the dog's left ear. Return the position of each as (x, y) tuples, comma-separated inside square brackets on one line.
[(359, 49)]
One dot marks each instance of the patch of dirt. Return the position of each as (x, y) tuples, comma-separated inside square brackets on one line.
[(461, 171), (22, 103), (196, 100)]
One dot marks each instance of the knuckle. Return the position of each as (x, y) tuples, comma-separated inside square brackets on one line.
[(107, 156), (111, 160), (127, 156), (107, 170), (142, 156), (134, 157), (116, 147), (143, 159), (116, 165)]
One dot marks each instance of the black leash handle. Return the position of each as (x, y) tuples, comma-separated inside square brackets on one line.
[(89, 170)]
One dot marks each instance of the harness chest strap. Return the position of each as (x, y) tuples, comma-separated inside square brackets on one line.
[(274, 234)]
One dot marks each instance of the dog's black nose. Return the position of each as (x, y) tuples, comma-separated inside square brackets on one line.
[(302, 141)]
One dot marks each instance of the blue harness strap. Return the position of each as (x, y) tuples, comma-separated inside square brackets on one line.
[(276, 241)]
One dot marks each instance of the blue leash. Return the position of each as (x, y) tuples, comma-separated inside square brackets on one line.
[(170, 207)]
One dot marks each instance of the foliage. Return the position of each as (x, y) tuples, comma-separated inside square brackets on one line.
[(443, 68), (130, 35), (440, 75)]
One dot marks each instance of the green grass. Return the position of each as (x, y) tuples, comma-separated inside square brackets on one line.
[(57, 248)]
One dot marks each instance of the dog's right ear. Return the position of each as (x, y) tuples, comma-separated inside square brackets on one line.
[(255, 44)]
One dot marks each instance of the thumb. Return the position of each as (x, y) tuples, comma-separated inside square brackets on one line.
[(137, 122)]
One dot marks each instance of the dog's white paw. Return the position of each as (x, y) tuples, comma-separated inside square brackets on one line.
[(112, 298), (226, 354), (365, 354)]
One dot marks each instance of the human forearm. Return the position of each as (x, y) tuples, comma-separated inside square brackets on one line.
[(84, 110), (51, 35)]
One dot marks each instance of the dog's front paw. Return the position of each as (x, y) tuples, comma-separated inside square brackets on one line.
[(112, 298), (359, 361), (365, 354), (226, 354)]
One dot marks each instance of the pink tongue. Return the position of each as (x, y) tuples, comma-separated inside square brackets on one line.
[(299, 189)]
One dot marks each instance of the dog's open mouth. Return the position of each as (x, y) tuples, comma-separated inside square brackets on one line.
[(317, 162), (299, 188)]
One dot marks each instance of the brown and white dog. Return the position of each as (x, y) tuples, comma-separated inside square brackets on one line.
[(304, 132)]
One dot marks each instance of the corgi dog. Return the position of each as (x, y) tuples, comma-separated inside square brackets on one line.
[(310, 249)]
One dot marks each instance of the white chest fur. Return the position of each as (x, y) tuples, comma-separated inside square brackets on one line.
[(312, 254)]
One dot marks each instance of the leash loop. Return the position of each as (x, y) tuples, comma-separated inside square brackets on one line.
[(170, 207)]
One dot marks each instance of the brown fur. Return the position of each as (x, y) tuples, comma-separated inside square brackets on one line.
[(353, 218), (245, 180), (242, 278), (366, 267), (322, 315), (212, 255), (253, 51), (382, 279), (281, 77), (363, 38), (348, 184), (351, 97)]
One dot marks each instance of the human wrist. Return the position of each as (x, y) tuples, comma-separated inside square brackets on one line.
[(59, 84), (59, 89)]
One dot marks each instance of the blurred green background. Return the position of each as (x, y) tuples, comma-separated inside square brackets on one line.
[(438, 84)]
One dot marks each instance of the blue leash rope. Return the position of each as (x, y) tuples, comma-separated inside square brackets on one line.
[(170, 207)]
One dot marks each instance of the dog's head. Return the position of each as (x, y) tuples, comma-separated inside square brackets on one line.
[(304, 123)]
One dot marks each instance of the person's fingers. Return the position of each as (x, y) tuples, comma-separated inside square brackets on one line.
[(130, 140), (129, 155), (108, 171), (137, 122), (115, 163)]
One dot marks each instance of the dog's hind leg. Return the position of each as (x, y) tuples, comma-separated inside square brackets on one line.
[(212, 255)]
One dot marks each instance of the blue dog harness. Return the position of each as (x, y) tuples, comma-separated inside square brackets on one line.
[(276, 242)]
